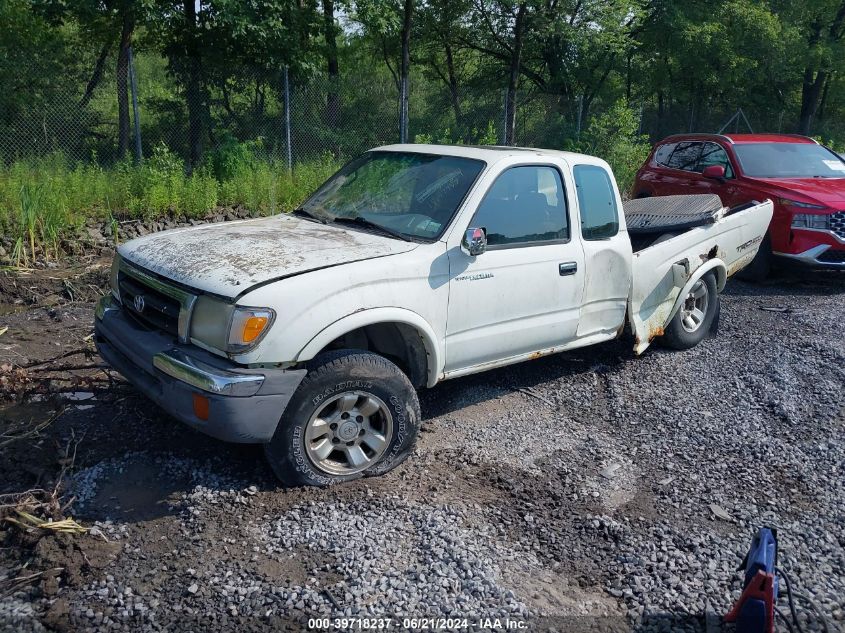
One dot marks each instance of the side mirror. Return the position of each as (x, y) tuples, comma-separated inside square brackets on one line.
[(716, 172), (474, 242)]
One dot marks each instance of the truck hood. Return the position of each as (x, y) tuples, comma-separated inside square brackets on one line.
[(228, 258), (827, 191)]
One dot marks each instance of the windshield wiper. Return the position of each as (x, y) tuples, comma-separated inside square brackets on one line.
[(362, 221), (308, 215)]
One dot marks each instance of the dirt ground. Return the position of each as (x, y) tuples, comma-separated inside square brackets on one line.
[(619, 492)]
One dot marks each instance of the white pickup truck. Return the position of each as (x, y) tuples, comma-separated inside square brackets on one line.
[(309, 332)]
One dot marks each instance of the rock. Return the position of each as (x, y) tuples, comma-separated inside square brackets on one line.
[(608, 472), (720, 513), (94, 234)]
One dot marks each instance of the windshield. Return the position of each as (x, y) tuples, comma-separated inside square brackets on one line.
[(404, 192), (788, 160)]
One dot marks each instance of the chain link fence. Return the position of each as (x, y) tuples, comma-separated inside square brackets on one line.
[(294, 119), (278, 115)]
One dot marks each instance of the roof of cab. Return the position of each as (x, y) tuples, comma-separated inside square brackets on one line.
[(487, 153)]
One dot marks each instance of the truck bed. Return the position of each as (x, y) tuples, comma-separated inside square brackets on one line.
[(677, 248)]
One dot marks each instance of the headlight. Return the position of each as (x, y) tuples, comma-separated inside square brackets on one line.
[(233, 329), (804, 205), (115, 268), (810, 221)]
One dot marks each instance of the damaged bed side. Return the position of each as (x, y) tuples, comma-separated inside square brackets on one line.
[(677, 240)]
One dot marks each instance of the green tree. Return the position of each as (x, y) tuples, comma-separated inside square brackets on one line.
[(821, 25)]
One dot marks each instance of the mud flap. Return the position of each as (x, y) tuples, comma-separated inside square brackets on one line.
[(714, 325)]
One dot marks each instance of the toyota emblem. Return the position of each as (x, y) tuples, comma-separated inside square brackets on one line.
[(138, 303)]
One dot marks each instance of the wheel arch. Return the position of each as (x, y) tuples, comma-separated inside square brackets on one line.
[(403, 332), (716, 266)]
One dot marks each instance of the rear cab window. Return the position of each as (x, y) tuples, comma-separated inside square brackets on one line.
[(596, 202)]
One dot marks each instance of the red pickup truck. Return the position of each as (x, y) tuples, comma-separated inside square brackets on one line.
[(805, 180)]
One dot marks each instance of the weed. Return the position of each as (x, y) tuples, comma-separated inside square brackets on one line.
[(46, 200)]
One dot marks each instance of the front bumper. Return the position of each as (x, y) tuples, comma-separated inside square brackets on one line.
[(815, 247), (244, 404)]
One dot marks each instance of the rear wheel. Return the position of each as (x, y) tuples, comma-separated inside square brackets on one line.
[(694, 318), (355, 414)]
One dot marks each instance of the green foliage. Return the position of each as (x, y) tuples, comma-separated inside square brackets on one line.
[(476, 136), (231, 156), (43, 201), (613, 136), (680, 66)]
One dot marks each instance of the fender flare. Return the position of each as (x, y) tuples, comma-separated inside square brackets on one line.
[(716, 265), (375, 316)]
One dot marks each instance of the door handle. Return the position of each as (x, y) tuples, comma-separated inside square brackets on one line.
[(567, 268)]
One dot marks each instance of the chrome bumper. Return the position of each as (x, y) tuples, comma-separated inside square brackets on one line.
[(811, 256), (244, 403), (205, 377)]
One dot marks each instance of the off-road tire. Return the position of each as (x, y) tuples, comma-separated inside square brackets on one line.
[(677, 337), (331, 374)]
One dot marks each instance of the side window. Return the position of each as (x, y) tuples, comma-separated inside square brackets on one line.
[(662, 154), (685, 156), (597, 202), (714, 154), (524, 205)]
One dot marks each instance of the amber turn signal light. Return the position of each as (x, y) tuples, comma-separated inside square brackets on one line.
[(253, 327), (247, 327), (201, 406)]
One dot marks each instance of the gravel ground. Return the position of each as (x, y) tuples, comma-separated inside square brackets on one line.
[(588, 491)]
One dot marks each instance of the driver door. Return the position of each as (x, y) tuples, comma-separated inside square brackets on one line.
[(523, 294)]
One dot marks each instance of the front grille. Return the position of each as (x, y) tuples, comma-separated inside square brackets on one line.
[(837, 224), (158, 310), (831, 256)]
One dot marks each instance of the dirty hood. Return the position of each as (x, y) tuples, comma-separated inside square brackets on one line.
[(228, 258)]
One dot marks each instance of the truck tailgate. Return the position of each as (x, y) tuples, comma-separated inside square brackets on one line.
[(661, 271)]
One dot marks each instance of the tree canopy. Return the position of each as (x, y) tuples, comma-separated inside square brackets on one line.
[(464, 66)]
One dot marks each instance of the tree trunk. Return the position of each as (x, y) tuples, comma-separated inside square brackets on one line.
[(123, 85), (193, 90), (454, 95), (823, 101), (96, 76), (404, 70), (661, 111), (513, 75), (811, 92), (332, 114)]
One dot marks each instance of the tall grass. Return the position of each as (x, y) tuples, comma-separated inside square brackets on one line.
[(45, 200)]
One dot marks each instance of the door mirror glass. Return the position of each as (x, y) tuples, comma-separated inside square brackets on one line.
[(716, 172), (474, 242)]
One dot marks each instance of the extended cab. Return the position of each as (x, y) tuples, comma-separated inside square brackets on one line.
[(309, 332)]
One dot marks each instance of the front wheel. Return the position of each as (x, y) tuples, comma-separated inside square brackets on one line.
[(354, 414), (695, 317)]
